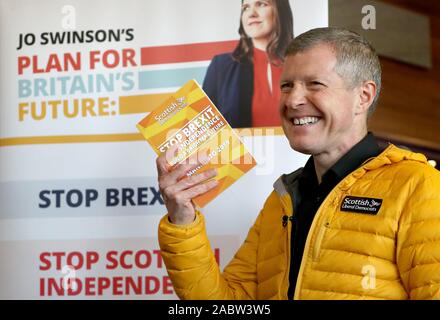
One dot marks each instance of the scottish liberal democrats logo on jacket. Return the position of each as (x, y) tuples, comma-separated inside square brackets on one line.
[(361, 205)]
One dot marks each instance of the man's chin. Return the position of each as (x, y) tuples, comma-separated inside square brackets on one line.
[(301, 148)]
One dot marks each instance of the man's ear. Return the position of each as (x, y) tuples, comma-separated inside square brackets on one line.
[(367, 93)]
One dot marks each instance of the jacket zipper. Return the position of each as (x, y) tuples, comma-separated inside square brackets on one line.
[(288, 213), (288, 251), (318, 241), (316, 246), (293, 224)]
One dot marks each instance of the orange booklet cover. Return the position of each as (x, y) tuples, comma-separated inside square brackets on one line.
[(190, 119)]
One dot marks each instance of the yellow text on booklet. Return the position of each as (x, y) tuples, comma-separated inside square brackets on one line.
[(189, 119)]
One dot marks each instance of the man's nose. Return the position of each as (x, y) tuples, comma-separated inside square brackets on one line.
[(296, 97)]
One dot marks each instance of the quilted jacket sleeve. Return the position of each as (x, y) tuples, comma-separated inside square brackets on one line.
[(418, 251), (192, 266)]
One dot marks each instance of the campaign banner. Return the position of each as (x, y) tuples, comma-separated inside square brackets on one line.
[(79, 197)]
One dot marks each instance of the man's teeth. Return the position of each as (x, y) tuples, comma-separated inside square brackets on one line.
[(305, 120)]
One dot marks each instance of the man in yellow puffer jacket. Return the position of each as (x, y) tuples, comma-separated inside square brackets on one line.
[(354, 223)]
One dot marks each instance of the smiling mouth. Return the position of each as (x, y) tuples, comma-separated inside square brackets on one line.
[(305, 121)]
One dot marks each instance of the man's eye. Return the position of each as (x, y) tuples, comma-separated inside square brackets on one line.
[(316, 83), (286, 87)]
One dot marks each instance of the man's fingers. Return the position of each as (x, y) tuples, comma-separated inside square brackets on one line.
[(162, 166), (183, 197), (179, 171), (182, 169), (171, 152), (177, 192), (162, 162), (199, 189), (194, 180)]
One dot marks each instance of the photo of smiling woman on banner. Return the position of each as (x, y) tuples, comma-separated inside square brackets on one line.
[(244, 84)]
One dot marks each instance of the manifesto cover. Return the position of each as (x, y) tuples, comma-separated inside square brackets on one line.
[(189, 119)]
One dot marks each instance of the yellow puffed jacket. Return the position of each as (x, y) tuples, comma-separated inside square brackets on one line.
[(393, 254)]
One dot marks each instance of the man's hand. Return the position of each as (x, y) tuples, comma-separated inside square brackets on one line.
[(178, 189)]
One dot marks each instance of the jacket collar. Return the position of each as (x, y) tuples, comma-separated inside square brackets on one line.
[(390, 155)]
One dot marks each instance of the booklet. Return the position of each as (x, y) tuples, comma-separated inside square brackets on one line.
[(189, 119)]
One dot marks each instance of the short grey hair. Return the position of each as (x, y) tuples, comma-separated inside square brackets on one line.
[(356, 58)]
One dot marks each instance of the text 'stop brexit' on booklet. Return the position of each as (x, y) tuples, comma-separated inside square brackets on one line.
[(189, 119)]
